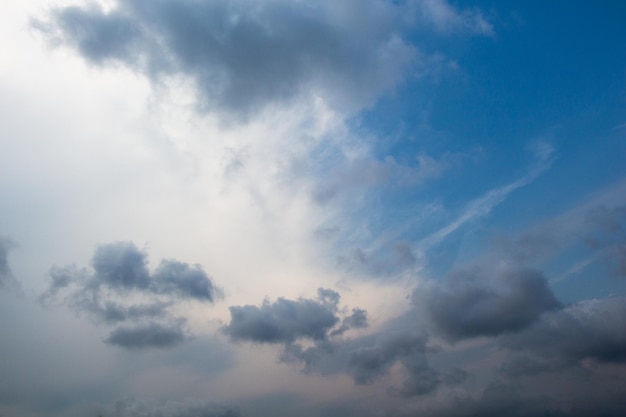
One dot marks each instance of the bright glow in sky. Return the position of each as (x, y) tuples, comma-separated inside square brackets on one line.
[(283, 208)]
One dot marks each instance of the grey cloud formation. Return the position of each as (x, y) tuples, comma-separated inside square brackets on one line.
[(590, 330), (121, 289), (134, 407), (411, 350), (174, 277), (151, 335), (475, 302), (368, 364), (121, 265), (356, 320), (244, 55), (284, 321), (6, 275)]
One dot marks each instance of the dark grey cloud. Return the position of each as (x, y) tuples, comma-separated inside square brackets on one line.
[(577, 397), (590, 330), (282, 321), (135, 407), (174, 277), (475, 302), (153, 335), (121, 289), (411, 350), (356, 320), (369, 358), (367, 364), (6, 275), (243, 56), (121, 265)]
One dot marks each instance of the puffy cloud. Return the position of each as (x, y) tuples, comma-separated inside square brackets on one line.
[(284, 321), (245, 55), (121, 265), (590, 330), (475, 302), (121, 289), (145, 336), (174, 277)]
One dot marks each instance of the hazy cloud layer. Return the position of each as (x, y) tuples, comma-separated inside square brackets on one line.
[(151, 335), (580, 399), (477, 302), (593, 330), (244, 55), (134, 407), (120, 288), (6, 275)]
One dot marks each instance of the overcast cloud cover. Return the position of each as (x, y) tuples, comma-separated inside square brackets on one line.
[(269, 208)]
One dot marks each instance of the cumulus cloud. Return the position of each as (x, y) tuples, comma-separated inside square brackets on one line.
[(121, 289), (121, 265), (285, 321), (135, 407), (6, 275), (245, 55), (476, 302)]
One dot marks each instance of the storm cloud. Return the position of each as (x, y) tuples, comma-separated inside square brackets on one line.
[(121, 289), (244, 55), (475, 302)]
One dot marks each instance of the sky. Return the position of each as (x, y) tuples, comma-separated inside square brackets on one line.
[(269, 208)]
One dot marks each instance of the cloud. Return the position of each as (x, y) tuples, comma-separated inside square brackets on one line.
[(366, 172), (476, 302), (7, 279), (121, 265), (367, 364), (120, 288), (510, 399), (153, 335), (356, 320), (243, 56), (283, 321), (174, 277), (483, 205), (135, 407), (589, 330), (443, 17)]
